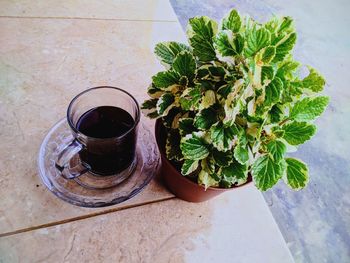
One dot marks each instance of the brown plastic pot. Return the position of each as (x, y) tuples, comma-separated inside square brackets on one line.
[(178, 184)]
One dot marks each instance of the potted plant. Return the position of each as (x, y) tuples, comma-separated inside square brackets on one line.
[(231, 104)]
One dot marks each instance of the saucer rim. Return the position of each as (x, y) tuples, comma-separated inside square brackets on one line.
[(49, 185)]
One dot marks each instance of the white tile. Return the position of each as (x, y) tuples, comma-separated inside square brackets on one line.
[(106, 9), (44, 64), (235, 227)]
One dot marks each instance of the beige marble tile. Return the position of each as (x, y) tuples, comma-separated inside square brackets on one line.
[(106, 9), (235, 227), (43, 64)]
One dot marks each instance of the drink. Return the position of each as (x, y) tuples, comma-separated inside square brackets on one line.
[(117, 149), (104, 136), (105, 122)]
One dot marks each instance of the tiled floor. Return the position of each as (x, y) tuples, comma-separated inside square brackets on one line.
[(44, 63), (315, 221), (232, 228), (50, 51), (140, 10)]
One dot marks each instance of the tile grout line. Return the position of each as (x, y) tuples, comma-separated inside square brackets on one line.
[(88, 18), (78, 218)]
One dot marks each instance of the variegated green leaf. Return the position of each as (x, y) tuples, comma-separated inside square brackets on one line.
[(314, 81), (276, 38), (190, 99), (225, 90), (297, 174), (241, 154), (228, 44), (266, 172), (154, 92), (222, 159), (232, 21), (200, 32), (223, 136), (232, 110), (308, 109), (203, 72), (208, 99), (164, 80), (194, 147), (234, 102), (205, 118), (290, 92), (296, 133), (234, 174), (276, 114), (217, 72), (152, 115), (175, 122), (273, 92), (272, 25), (267, 54), (172, 149), (167, 51), (149, 108), (284, 46), (172, 114), (278, 133), (204, 178), (165, 103), (277, 149), (267, 73), (211, 72), (242, 136), (185, 65), (184, 81), (279, 28), (209, 164), (256, 40), (287, 69), (189, 166), (186, 126), (286, 26), (149, 104)]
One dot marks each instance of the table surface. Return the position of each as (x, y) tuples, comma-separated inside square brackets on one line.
[(49, 52)]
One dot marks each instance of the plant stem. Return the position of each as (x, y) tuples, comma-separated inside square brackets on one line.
[(283, 122)]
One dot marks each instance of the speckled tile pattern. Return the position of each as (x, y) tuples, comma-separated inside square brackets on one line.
[(226, 229), (315, 221)]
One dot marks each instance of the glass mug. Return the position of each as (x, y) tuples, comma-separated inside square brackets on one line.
[(104, 123)]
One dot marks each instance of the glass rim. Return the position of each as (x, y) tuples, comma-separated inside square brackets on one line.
[(72, 126)]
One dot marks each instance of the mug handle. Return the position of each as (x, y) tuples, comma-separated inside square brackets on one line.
[(64, 157)]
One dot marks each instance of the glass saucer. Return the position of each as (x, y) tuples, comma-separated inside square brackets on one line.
[(90, 190)]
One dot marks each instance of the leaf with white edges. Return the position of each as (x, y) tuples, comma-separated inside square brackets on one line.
[(266, 172), (297, 174), (194, 147)]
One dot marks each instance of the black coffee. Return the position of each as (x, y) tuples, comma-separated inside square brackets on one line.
[(107, 157)]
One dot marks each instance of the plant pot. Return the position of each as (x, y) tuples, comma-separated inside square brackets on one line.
[(178, 184)]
